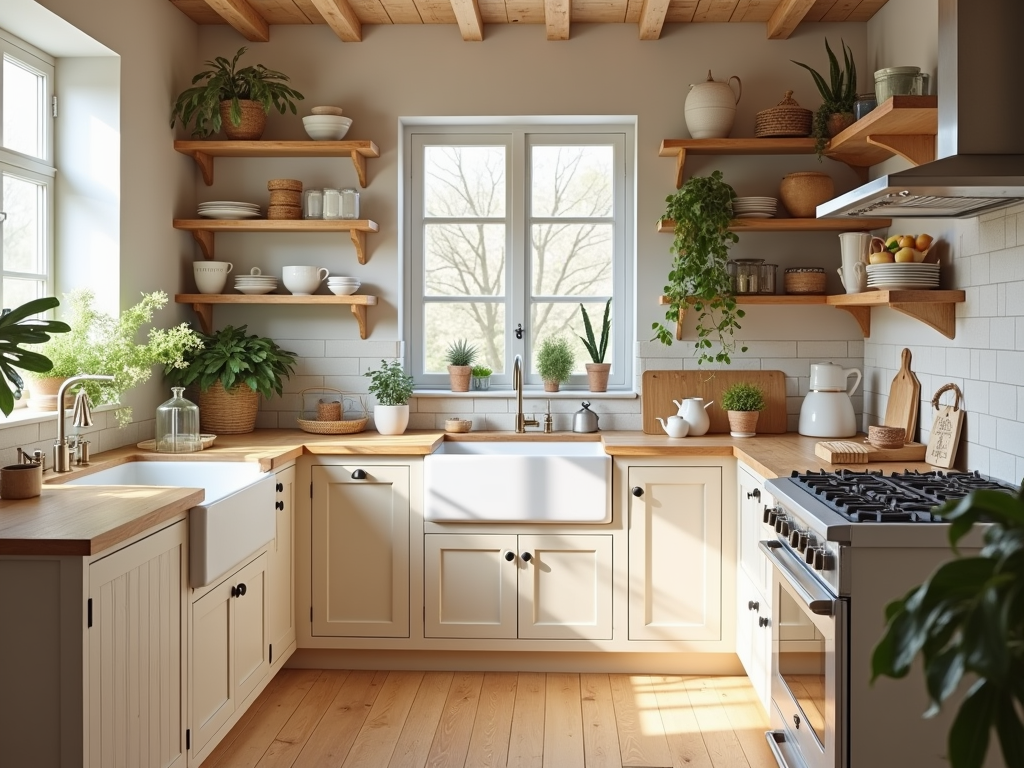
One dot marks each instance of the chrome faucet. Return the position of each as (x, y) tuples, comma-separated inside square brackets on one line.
[(517, 384), (61, 447)]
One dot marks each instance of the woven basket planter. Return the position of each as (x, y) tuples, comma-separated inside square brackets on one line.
[(43, 393), (254, 120), (224, 412), (460, 376), (743, 423)]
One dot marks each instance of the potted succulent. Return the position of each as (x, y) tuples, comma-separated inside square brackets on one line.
[(481, 377), (555, 361), (837, 97), (232, 370), (17, 327), (392, 389), (744, 402), (702, 212), (460, 357), (236, 99), (101, 344), (598, 370)]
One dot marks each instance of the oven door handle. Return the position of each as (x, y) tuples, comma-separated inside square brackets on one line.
[(816, 599)]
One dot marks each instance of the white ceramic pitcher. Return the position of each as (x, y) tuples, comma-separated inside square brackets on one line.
[(693, 410), (853, 273), (710, 108)]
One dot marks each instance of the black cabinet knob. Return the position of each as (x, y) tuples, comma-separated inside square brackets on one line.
[(238, 591), (796, 721), (510, 556), (638, 491), (279, 487), (359, 474), (763, 621), (527, 557), (755, 494), (279, 505), (753, 605)]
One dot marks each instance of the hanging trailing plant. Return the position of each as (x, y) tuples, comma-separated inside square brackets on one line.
[(702, 210)]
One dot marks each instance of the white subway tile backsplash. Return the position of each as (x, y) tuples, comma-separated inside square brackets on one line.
[(980, 268), (1002, 465), (1002, 401), (993, 233), (1011, 231), (303, 347), (1003, 332), (822, 350)]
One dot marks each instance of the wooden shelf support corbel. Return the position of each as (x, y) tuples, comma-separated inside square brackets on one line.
[(917, 149), (359, 241), (359, 161), (205, 163), (205, 239), (205, 312), (862, 315), (680, 167), (940, 317), (359, 312)]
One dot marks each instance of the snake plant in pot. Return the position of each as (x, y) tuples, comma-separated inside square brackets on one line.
[(598, 370), (460, 357), (837, 97)]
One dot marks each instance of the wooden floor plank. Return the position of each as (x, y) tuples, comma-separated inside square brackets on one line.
[(267, 696), (526, 742), (723, 746), (563, 722), (376, 739), (600, 736), (685, 743), (488, 747), (451, 739), (296, 732), (254, 740), (748, 719), (642, 741), (414, 743), (330, 743)]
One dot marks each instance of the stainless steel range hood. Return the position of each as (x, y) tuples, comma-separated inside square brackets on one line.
[(980, 145)]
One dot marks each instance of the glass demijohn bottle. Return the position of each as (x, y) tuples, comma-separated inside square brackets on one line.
[(177, 425)]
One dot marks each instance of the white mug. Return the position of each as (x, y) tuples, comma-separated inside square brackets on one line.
[(211, 276), (303, 281)]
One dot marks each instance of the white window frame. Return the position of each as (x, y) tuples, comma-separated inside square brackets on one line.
[(519, 136)]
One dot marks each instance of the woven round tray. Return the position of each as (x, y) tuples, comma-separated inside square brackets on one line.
[(786, 119), (345, 426)]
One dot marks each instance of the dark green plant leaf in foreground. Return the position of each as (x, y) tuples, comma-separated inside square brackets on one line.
[(17, 328)]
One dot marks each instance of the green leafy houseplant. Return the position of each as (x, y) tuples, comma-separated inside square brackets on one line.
[(967, 623), (837, 95), (225, 83), (101, 344), (743, 397), (17, 327), (481, 371), (597, 349), (555, 361), (702, 210), (389, 385)]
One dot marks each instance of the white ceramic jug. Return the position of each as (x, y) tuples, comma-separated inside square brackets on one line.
[(853, 273), (693, 409), (829, 377), (710, 108), (675, 426)]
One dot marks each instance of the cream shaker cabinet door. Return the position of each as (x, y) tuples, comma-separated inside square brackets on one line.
[(211, 684), (281, 567), (360, 550), (754, 637), (565, 587), (470, 585), (752, 499), (675, 553), (135, 713), (250, 641)]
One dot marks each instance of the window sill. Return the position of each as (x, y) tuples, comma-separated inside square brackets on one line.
[(530, 392), (22, 416)]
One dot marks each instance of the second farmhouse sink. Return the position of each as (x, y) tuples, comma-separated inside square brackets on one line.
[(235, 519), (517, 482)]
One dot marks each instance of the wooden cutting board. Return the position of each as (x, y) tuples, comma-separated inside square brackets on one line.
[(660, 388), (850, 452), (904, 399)]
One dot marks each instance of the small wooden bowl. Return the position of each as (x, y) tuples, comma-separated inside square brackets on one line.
[(458, 425), (887, 437)]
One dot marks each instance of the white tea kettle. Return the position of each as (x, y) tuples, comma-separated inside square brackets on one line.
[(676, 426), (827, 410)]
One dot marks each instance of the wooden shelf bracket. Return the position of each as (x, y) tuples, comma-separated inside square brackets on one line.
[(205, 313), (919, 149), (205, 239), (862, 315), (940, 317), (358, 237)]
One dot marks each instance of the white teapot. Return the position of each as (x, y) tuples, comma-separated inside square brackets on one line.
[(676, 426), (693, 409)]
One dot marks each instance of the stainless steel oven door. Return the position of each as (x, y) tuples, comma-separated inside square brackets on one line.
[(808, 676)]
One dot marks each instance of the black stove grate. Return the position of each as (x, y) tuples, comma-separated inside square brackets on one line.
[(907, 497)]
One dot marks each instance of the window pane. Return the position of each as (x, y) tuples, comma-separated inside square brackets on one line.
[(482, 323), (23, 108), (464, 259), (18, 292), (571, 259), (572, 181), (23, 245), (464, 182), (551, 319)]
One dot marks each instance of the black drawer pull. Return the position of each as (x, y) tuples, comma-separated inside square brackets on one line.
[(359, 474)]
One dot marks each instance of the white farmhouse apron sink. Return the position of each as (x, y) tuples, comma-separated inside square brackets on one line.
[(518, 482), (235, 519)]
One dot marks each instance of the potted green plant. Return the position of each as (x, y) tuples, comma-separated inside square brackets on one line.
[(837, 97), (598, 370), (236, 99), (392, 389), (743, 402), (702, 212), (460, 357), (555, 361), (231, 370), (17, 327), (481, 377), (967, 624), (99, 343)]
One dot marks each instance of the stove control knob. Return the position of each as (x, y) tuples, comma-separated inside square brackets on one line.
[(801, 542), (794, 538), (766, 515), (779, 520), (824, 560), (782, 526), (809, 554), (772, 515)]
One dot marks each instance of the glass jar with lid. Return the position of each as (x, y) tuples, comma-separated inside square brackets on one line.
[(349, 203), (745, 275), (767, 275), (177, 425), (332, 203)]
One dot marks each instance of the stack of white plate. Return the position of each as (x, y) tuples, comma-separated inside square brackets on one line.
[(343, 286), (754, 207), (229, 209), (255, 285), (907, 276)]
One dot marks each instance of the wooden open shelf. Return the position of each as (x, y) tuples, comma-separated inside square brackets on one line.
[(203, 303), (203, 152), (794, 225), (903, 125), (680, 148), (203, 230), (936, 309)]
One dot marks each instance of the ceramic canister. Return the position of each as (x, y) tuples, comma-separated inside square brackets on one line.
[(710, 108)]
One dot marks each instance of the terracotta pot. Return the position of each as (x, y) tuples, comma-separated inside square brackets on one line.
[(743, 423), (461, 376), (802, 192), (839, 122), (43, 393), (597, 376), (254, 120), (224, 412), (550, 386)]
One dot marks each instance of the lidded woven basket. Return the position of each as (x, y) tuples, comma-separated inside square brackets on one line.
[(786, 119)]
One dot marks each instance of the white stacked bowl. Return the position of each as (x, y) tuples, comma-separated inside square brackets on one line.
[(326, 127), (343, 286)]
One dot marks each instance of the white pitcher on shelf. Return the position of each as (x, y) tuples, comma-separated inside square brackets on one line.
[(694, 410)]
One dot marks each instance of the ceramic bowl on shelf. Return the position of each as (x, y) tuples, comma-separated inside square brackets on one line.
[(343, 289), (326, 127)]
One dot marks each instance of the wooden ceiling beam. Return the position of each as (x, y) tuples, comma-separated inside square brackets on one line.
[(471, 24), (787, 18), (243, 18), (652, 18), (341, 18), (556, 18)]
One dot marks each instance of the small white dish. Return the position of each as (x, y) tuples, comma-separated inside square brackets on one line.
[(343, 290), (229, 214), (254, 290), (326, 127)]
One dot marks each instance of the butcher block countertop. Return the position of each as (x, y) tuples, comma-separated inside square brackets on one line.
[(86, 520)]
